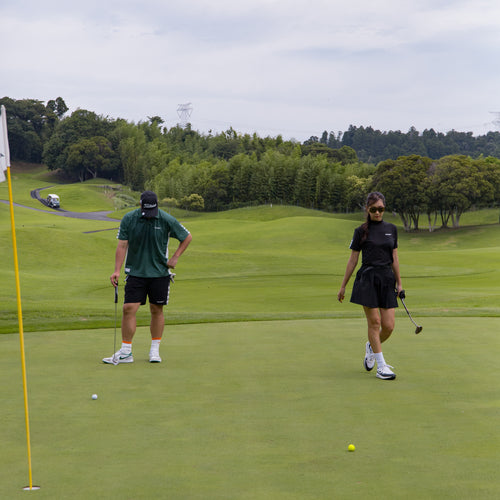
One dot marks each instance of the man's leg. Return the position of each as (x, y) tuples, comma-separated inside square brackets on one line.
[(156, 327), (157, 321), (129, 325), (129, 322), (124, 355)]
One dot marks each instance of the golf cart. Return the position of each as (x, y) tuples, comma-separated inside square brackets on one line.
[(53, 201)]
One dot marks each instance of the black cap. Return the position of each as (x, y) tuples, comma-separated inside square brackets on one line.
[(149, 204)]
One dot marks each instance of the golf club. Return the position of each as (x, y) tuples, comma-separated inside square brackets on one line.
[(402, 296), (115, 361)]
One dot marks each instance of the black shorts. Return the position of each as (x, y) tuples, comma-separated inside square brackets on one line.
[(156, 289), (375, 287)]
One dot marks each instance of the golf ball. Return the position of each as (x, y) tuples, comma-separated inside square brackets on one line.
[(94, 396), (351, 447)]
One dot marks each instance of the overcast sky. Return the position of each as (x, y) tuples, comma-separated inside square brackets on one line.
[(294, 68)]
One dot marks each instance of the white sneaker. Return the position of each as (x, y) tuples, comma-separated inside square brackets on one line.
[(369, 361), (119, 357), (154, 357), (385, 372)]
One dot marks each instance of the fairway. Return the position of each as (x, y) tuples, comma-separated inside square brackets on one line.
[(260, 410), (262, 387)]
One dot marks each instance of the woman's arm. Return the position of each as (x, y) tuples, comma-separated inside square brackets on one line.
[(395, 269), (351, 265)]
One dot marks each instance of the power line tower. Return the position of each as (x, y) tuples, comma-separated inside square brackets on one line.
[(496, 120), (184, 111)]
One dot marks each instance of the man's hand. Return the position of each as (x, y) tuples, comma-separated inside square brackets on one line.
[(114, 278)]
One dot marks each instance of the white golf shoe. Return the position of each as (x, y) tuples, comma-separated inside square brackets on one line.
[(369, 360), (154, 356), (385, 373), (119, 357)]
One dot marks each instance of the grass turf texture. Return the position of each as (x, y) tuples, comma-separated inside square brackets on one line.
[(256, 411), (250, 264)]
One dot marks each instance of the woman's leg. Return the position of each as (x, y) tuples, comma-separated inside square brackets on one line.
[(374, 322), (387, 323), (380, 326)]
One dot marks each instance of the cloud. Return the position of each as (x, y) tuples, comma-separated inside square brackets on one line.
[(290, 67)]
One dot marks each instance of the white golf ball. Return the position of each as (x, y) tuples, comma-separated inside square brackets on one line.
[(94, 396)]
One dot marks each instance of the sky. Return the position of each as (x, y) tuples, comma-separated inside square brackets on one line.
[(273, 67)]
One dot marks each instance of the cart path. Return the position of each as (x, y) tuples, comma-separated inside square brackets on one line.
[(102, 215)]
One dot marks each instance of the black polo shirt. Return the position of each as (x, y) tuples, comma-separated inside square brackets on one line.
[(377, 249)]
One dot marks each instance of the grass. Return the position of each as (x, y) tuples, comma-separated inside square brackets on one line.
[(290, 267), (257, 411), (262, 386)]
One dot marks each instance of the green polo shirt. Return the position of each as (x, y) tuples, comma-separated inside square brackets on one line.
[(147, 254)]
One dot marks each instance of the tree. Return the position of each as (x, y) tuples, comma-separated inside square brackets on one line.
[(89, 158), (156, 119), (82, 124), (461, 184), (132, 148), (58, 107), (193, 202), (404, 183), (30, 125), (356, 189), (212, 183), (240, 174)]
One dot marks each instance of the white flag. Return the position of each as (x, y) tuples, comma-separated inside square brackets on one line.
[(4, 144)]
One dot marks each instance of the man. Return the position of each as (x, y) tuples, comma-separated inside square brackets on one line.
[(143, 240)]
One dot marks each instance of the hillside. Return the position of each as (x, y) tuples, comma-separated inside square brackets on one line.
[(267, 262)]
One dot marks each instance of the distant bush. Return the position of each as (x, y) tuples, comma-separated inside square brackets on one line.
[(169, 202), (192, 202), (123, 200)]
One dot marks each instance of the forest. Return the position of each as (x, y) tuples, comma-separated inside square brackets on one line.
[(431, 174)]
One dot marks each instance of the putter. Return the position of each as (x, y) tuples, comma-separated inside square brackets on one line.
[(402, 296), (115, 361)]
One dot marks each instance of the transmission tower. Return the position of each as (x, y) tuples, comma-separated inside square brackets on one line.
[(184, 111), (496, 120)]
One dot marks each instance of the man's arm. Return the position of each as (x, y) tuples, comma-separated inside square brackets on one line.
[(121, 253), (172, 261)]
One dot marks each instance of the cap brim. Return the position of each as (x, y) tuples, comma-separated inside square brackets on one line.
[(152, 212)]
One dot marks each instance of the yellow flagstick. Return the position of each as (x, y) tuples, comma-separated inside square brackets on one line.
[(19, 308)]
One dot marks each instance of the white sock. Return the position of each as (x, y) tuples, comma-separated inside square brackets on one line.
[(380, 359), (126, 347), (155, 344)]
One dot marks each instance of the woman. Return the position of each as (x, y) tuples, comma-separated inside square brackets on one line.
[(378, 282)]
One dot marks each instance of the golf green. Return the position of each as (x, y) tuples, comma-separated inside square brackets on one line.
[(262, 387), (256, 410)]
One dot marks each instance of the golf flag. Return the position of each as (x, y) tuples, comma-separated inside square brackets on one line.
[(5, 167), (4, 144)]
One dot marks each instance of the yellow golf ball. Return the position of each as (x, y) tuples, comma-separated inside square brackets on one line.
[(351, 447)]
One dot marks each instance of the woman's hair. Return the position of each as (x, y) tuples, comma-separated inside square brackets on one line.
[(370, 200)]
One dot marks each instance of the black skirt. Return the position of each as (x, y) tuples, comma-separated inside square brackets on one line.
[(375, 287)]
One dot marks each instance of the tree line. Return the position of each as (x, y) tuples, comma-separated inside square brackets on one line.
[(374, 146), (441, 190), (227, 170)]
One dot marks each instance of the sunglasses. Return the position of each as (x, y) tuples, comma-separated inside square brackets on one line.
[(373, 210)]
